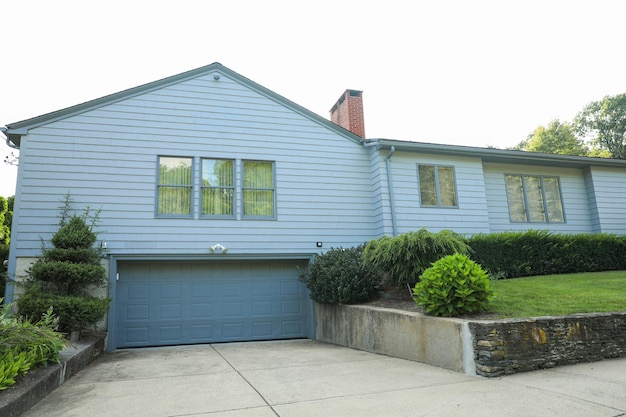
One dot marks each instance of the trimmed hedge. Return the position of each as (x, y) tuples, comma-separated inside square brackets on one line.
[(341, 276), (74, 312), (519, 254)]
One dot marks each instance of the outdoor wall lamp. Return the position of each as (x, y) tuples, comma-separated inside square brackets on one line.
[(218, 248)]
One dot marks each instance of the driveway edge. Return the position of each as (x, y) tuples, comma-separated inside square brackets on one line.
[(39, 382)]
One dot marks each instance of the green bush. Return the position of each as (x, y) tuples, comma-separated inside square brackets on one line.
[(74, 233), (4, 255), (69, 277), (341, 276), (407, 256), (518, 254), (66, 273), (74, 312), (454, 285), (25, 344)]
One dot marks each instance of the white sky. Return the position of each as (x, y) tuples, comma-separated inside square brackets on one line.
[(477, 73)]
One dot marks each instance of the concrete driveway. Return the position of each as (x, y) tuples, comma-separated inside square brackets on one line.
[(302, 378)]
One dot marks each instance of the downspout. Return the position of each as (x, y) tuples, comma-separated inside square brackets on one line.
[(392, 204)]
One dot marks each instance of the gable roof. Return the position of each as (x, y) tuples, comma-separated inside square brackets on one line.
[(15, 131)]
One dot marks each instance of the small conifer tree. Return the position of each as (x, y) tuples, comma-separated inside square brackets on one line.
[(63, 277)]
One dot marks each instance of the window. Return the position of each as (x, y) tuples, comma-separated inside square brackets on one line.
[(215, 188), (534, 199), (174, 188), (437, 186), (258, 189), (218, 187)]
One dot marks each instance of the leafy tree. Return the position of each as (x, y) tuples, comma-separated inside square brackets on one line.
[(556, 138), (5, 229), (604, 122)]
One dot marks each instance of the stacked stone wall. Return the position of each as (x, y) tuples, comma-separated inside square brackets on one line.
[(518, 345)]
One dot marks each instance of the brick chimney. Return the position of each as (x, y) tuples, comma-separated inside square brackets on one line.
[(348, 112)]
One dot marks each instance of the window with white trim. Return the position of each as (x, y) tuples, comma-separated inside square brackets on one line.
[(534, 199)]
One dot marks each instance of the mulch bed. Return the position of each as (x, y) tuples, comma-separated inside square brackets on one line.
[(400, 298)]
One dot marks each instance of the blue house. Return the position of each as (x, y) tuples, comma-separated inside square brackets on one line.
[(214, 190)]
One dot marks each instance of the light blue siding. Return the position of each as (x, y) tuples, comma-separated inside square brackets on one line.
[(576, 206), (609, 200), (106, 157), (469, 217)]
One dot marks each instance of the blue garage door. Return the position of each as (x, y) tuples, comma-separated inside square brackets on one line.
[(171, 303)]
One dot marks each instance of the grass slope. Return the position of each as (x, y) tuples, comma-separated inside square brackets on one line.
[(554, 295)]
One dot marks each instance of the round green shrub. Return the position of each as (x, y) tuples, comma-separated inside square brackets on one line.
[(453, 286), (340, 276)]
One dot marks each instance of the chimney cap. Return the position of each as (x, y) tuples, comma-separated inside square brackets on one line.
[(348, 92)]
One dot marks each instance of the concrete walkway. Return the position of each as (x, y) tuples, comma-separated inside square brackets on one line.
[(304, 378)]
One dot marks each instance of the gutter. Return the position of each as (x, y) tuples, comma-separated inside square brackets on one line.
[(392, 205), (4, 131)]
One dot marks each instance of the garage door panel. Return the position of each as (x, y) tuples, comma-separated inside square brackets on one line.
[(136, 335), (200, 311), (291, 327), (168, 303)]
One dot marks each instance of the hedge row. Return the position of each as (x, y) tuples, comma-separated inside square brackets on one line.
[(519, 254)]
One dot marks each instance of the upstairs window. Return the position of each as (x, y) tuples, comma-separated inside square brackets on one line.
[(258, 189), (218, 187), (534, 199), (437, 186), (174, 189)]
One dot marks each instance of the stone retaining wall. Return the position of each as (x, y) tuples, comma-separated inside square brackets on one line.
[(489, 348), (509, 346)]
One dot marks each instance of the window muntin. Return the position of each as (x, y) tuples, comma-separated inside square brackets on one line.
[(218, 187), (437, 186), (534, 199), (175, 186), (258, 189)]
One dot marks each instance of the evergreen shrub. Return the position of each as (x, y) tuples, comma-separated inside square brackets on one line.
[(65, 275), (341, 276), (534, 252), (407, 256)]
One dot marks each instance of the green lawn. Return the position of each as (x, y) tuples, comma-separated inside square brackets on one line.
[(553, 295)]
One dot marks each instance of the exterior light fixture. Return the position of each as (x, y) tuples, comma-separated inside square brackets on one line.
[(218, 248)]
